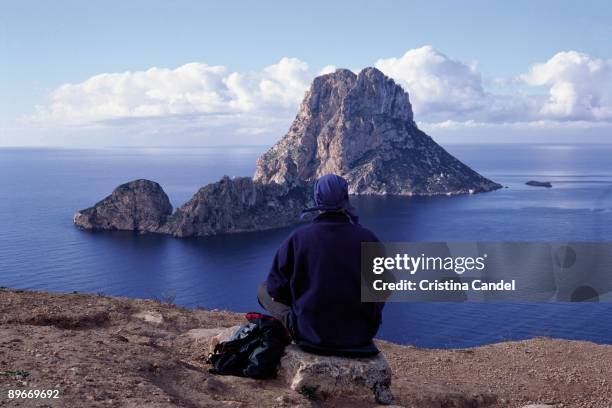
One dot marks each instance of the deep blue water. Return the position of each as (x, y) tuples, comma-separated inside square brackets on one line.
[(40, 249)]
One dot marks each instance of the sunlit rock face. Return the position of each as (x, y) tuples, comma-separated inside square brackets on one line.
[(362, 128)]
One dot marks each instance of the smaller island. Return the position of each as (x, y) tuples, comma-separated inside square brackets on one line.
[(534, 183)]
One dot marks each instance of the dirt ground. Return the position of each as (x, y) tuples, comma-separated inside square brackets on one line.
[(98, 352)]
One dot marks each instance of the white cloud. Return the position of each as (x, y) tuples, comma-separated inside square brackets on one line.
[(328, 69), (190, 89), (437, 84), (197, 101), (444, 90), (533, 124), (570, 86), (579, 86), (279, 85)]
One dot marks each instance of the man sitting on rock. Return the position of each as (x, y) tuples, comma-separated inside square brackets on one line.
[(314, 285)]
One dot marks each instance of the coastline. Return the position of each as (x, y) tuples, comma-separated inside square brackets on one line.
[(100, 351)]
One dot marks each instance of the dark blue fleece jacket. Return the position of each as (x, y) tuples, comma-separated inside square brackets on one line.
[(317, 272)]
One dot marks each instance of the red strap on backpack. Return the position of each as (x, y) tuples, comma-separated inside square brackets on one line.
[(255, 315)]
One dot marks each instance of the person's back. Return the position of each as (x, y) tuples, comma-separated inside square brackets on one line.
[(316, 272)]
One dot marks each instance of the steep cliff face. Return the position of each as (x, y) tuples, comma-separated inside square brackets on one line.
[(140, 205), (230, 205), (362, 127), (238, 205)]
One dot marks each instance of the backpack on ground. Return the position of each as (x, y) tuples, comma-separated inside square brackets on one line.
[(254, 350)]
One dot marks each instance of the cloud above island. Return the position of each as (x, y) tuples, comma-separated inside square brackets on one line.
[(194, 88), (437, 84), (570, 89), (570, 86), (579, 86)]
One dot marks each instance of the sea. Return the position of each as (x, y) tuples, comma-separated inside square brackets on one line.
[(40, 249)]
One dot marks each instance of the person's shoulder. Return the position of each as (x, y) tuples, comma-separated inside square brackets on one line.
[(366, 234), (301, 234), (302, 229), (306, 230), (299, 231)]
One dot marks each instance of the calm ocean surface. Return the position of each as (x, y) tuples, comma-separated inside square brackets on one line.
[(40, 189)]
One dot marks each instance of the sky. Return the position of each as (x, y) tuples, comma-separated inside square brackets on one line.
[(159, 73)]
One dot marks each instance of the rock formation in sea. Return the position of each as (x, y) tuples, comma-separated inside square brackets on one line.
[(230, 205), (358, 126), (535, 183), (238, 205), (362, 128), (140, 205)]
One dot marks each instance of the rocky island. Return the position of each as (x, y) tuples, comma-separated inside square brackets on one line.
[(140, 205), (359, 126), (362, 128), (535, 183)]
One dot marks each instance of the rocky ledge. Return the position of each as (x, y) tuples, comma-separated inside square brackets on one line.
[(358, 126), (320, 376), (117, 352)]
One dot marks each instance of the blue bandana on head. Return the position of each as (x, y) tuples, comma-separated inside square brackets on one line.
[(331, 194)]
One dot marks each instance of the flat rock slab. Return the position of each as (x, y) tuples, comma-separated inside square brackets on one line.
[(320, 376), (150, 316), (538, 406), (212, 336), (203, 335), (314, 375)]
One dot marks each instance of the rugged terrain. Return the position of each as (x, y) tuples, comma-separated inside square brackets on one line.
[(238, 205), (116, 352)]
